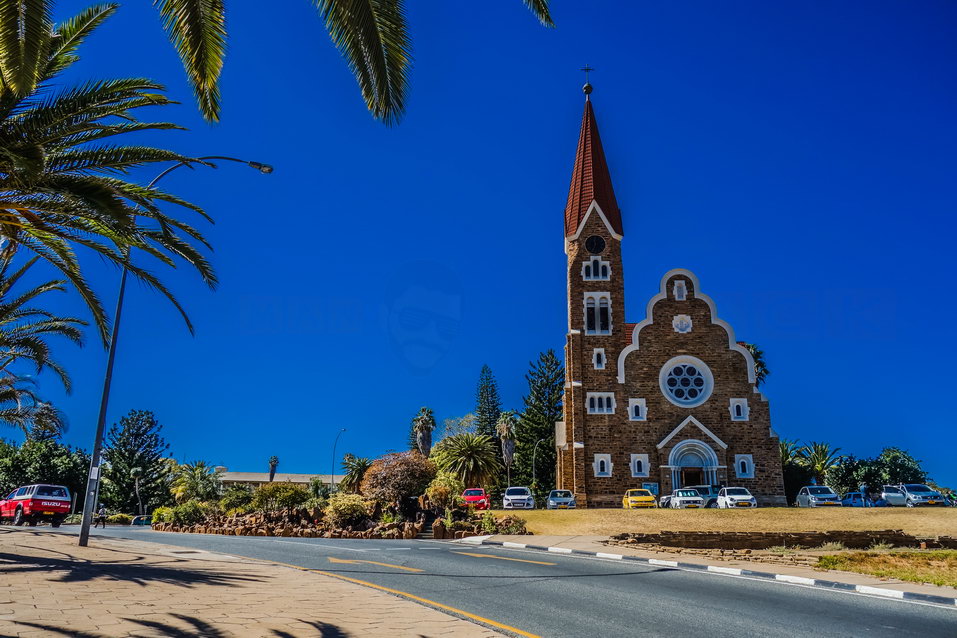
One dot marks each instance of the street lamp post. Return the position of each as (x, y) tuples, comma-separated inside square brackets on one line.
[(332, 475), (93, 480), (534, 452)]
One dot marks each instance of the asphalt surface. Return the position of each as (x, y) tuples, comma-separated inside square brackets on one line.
[(558, 595)]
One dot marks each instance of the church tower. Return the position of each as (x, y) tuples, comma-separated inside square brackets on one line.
[(669, 402), (596, 300)]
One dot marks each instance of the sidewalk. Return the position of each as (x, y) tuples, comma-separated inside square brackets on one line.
[(49, 586), (594, 545)]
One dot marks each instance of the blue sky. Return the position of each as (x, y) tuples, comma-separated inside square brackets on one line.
[(798, 158)]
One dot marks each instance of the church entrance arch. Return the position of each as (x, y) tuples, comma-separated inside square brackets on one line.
[(693, 462)]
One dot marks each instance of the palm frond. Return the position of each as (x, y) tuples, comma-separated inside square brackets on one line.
[(540, 9), (25, 32)]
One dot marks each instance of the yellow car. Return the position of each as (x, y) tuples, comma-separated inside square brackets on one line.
[(638, 498)]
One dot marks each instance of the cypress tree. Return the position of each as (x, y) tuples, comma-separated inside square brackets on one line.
[(543, 407), (488, 406)]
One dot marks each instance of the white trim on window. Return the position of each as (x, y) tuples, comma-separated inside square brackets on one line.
[(596, 269), (700, 381), (639, 466), (598, 358), (597, 313), (637, 410), (600, 402), (739, 409), (680, 290), (744, 466), (602, 465)]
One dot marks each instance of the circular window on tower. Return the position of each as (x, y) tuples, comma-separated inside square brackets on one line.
[(686, 381), (595, 244)]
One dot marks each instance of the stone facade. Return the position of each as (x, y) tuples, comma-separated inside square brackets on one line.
[(685, 410)]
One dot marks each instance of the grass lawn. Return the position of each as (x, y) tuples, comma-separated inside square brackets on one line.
[(605, 522), (938, 567)]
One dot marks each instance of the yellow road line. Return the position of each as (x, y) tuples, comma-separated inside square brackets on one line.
[(419, 599), (517, 560), (372, 562)]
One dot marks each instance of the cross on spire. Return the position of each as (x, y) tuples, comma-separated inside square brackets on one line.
[(587, 88)]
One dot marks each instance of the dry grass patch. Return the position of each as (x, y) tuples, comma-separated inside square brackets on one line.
[(605, 522), (938, 567)]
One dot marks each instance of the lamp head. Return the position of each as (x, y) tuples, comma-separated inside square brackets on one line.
[(265, 169)]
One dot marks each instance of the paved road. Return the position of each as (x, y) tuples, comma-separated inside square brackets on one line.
[(557, 595)]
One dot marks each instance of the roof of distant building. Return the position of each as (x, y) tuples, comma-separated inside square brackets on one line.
[(280, 477)]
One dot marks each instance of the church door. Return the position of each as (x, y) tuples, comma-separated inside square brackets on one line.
[(692, 476)]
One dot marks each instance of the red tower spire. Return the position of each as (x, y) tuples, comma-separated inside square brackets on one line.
[(591, 180)]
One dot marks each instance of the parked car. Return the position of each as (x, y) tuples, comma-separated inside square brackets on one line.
[(31, 504), (477, 498), (634, 499), (686, 498), (856, 499), (912, 495), (665, 500), (560, 500), (817, 496), (735, 498), (708, 492), (144, 519), (519, 498)]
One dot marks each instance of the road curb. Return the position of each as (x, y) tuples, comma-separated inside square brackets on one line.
[(733, 571)]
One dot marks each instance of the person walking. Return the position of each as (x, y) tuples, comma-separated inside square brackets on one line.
[(100, 517)]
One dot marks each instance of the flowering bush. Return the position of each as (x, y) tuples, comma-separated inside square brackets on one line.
[(346, 510), (395, 477)]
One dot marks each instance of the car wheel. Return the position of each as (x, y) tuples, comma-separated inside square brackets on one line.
[(18, 517), (909, 504), (55, 522), (712, 505), (31, 523)]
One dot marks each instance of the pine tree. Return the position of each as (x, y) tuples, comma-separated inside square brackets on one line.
[(134, 450), (543, 407), (488, 406)]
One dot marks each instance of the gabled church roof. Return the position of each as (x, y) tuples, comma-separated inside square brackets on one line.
[(591, 180)]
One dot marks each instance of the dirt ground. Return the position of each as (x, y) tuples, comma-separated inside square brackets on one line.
[(605, 522)]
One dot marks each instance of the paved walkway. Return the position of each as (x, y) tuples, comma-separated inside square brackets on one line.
[(595, 544), (49, 586)]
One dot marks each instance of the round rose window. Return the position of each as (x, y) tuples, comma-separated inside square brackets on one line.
[(686, 381)]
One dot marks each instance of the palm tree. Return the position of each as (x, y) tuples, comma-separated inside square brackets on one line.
[(791, 452), (62, 171), (505, 427), (20, 407), (24, 329), (354, 468), (196, 481), (422, 426), (820, 459), (273, 464), (470, 457), (761, 371), (137, 474)]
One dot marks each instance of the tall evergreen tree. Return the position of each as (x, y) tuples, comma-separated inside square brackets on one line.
[(488, 405), (543, 407), (134, 450)]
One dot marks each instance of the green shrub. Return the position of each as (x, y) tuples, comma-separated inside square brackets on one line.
[(316, 503), (188, 513), (489, 525), (274, 496), (346, 510), (73, 519), (445, 490), (163, 515), (239, 511), (236, 496), (389, 517), (511, 525), (120, 519)]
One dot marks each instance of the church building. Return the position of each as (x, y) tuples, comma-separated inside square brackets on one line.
[(664, 403)]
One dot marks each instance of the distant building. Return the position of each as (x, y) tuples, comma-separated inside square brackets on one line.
[(258, 478), (664, 403)]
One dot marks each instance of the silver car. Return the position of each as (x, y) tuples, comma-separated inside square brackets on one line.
[(518, 498), (817, 496), (560, 500), (912, 495)]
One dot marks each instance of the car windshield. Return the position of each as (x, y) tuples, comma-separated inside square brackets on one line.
[(475, 492), (918, 488), (516, 491), (46, 490), (820, 491), (737, 491), (560, 494), (687, 493), (639, 493)]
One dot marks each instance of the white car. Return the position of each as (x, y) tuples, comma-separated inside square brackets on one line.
[(686, 499), (732, 498), (518, 498), (912, 495), (817, 496)]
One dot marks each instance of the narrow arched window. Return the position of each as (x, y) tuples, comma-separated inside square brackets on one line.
[(591, 324), (602, 468), (744, 467), (604, 316), (604, 271), (738, 410), (587, 271), (639, 467), (591, 404)]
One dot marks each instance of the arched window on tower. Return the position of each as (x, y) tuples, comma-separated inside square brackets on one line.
[(597, 313), (596, 269), (604, 316), (744, 467), (591, 323)]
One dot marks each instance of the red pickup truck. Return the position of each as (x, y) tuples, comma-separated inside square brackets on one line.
[(31, 504)]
